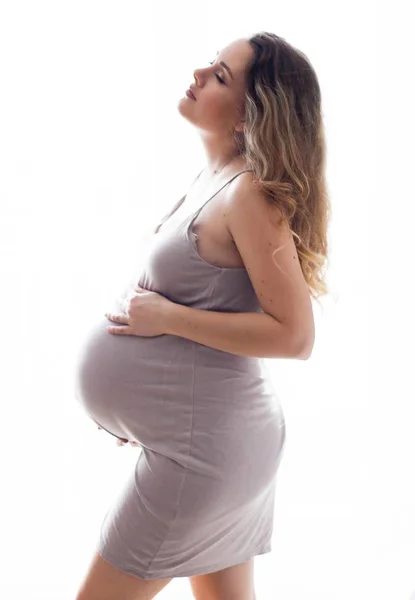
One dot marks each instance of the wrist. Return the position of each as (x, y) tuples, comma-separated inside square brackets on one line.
[(170, 313)]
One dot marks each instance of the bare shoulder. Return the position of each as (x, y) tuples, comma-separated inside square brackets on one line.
[(245, 197)]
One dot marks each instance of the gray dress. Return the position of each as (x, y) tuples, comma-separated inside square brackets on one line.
[(209, 423)]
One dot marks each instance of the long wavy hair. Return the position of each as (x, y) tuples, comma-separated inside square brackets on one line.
[(284, 144)]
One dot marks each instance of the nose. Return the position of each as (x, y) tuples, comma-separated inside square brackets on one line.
[(197, 75)]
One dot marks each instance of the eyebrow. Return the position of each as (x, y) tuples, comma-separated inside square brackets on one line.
[(225, 66)]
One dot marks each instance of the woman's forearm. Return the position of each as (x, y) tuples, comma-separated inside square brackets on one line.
[(246, 334)]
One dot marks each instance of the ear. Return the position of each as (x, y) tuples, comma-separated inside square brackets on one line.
[(240, 126)]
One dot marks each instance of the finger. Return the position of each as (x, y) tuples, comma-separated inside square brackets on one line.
[(112, 316), (117, 317), (119, 330)]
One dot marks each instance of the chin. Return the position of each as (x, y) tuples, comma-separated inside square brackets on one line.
[(182, 110)]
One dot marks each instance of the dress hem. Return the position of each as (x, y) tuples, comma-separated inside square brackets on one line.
[(177, 572)]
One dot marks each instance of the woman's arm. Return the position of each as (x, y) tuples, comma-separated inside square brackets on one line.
[(245, 334)]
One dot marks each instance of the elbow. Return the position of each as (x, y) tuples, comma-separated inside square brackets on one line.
[(304, 356), (305, 349), (296, 345), (305, 340)]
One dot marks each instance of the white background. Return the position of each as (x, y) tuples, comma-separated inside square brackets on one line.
[(93, 152)]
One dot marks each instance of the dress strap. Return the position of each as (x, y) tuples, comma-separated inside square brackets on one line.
[(196, 214), (176, 206), (197, 177), (192, 184)]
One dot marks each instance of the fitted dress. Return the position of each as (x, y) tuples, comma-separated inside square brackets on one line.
[(209, 425)]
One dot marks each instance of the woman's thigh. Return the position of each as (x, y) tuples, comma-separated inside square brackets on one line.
[(232, 583), (105, 582)]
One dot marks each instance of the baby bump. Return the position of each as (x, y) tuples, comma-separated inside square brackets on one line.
[(134, 387), (176, 397)]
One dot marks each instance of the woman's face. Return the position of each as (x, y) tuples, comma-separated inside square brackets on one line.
[(219, 93)]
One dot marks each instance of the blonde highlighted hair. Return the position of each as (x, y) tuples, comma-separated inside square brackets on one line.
[(284, 144)]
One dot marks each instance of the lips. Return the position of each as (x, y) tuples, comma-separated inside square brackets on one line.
[(193, 96)]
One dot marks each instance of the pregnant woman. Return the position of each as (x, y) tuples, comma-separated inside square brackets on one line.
[(180, 372)]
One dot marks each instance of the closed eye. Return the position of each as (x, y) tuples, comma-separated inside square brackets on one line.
[(217, 76)]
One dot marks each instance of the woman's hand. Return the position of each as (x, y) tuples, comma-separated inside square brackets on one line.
[(145, 314), (123, 441)]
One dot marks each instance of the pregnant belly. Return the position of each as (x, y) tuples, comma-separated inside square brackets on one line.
[(136, 388)]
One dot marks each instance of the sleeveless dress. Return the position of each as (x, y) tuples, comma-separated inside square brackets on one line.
[(209, 424)]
